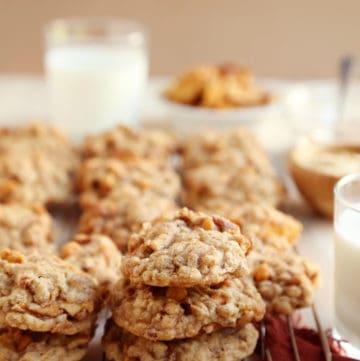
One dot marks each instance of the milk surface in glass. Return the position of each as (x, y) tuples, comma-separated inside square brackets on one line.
[(96, 72)]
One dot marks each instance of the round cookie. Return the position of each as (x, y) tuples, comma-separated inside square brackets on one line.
[(186, 250), (45, 294), (160, 313), (17, 345), (229, 165), (230, 344), (26, 228), (129, 144), (37, 165), (97, 256), (109, 179)]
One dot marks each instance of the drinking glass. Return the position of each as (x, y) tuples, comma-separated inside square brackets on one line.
[(96, 71), (347, 258)]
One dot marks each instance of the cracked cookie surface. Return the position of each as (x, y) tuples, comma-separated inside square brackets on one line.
[(188, 249), (45, 294)]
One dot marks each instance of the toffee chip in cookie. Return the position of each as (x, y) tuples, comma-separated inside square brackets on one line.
[(188, 249), (45, 294), (161, 313), (229, 344)]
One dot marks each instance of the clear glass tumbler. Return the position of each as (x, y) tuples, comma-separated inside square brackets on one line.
[(96, 71), (347, 258)]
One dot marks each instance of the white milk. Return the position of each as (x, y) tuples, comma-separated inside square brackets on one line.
[(347, 275), (95, 86)]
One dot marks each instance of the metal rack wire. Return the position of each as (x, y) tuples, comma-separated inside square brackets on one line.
[(266, 354)]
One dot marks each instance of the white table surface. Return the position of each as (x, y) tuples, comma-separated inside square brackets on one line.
[(24, 98)]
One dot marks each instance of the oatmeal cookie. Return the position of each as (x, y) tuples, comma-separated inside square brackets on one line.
[(129, 143), (36, 178), (285, 281), (161, 313), (45, 294), (17, 345), (35, 135), (106, 179), (189, 249), (263, 224), (120, 218), (230, 166), (229, 344), (36, 166), (26, 228), (235, 186), (96, 255)]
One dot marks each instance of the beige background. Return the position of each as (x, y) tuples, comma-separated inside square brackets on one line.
[(284, 38)]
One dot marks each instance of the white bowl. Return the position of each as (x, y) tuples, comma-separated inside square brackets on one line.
[(186, 118)]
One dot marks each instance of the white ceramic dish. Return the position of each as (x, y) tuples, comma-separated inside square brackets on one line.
[(185, 118)]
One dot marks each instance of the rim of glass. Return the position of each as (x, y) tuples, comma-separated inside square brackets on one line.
[(72, 28), (340, 184)]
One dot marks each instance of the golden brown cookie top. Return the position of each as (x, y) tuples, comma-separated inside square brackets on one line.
[(188, 249), (55, 295)]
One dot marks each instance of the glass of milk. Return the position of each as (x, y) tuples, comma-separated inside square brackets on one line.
[(347, 258), (96, 72)]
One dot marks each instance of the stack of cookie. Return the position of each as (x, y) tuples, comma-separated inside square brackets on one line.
[(228, 173), (186, 293), (125, 180), (47, 308)]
